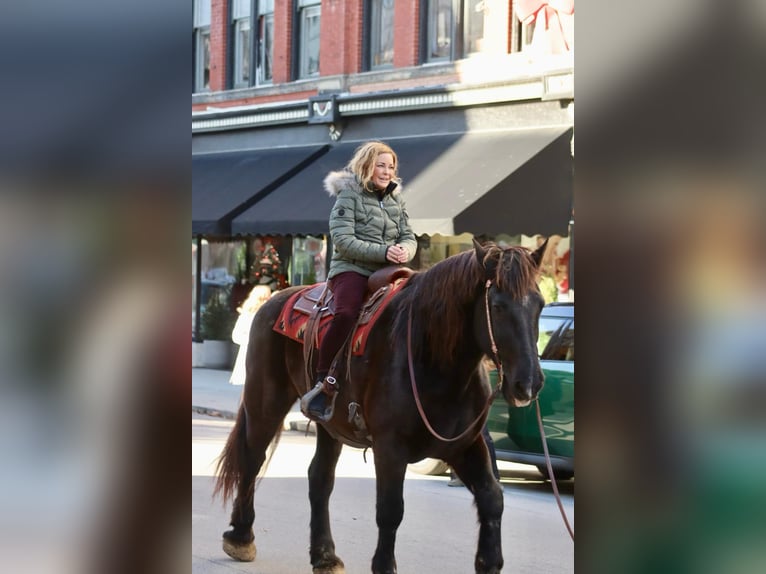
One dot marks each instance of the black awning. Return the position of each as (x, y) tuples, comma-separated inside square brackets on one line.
[(302, 206), (299, 207), (483, 183), (490, 183), (226, 184)]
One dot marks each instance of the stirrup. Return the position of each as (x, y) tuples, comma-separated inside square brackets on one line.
[(319, 403)]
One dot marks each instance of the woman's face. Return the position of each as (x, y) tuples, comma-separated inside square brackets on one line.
[(384, 170)]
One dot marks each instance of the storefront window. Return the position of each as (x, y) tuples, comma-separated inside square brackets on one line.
[(309, 261), (218, 272)]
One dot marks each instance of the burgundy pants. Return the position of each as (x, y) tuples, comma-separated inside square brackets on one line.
[(348, 289)]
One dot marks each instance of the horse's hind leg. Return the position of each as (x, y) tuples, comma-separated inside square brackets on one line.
[(321, 483), (475, 471), (267, 399)]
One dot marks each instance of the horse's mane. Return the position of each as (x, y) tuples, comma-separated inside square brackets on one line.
[(442, 297)]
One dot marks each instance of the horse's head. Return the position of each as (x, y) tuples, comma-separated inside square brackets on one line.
[(507, 316)]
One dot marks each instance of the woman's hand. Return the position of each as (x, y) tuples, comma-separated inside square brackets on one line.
[(396, 254)]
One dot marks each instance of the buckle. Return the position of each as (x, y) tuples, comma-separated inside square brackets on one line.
[(330, 385)]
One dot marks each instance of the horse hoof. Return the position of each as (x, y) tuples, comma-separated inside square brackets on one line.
[(332, 569), (241, 552)]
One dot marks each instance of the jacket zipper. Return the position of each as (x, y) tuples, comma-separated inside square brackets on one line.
[(383, 214)]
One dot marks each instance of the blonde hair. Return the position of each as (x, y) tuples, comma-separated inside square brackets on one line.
[(362, 165), (257, 297)]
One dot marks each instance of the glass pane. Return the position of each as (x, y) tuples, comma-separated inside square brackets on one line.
[(474, 25), (218, 270), (240, 9), (242, 52), (550, 343), (201, 13), (310, 41), (382, 33), (202, 79), (206, 60), (439, 29), (267, 49), (308, 264)]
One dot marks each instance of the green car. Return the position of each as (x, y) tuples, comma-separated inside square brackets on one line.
[(514, 430)]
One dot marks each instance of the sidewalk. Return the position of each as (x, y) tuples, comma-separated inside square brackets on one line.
[(213, 395)]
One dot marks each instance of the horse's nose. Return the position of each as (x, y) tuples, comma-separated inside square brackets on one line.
[(528, 389)]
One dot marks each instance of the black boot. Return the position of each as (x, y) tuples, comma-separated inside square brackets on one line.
[(319, 403)]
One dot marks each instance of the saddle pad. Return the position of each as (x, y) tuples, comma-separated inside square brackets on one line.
[(293, 319)]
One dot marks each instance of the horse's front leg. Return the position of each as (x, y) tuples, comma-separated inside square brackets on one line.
[(389, 475), (475, 471), (321, 483)]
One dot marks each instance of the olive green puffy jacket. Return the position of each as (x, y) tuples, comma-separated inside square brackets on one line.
[(361, 227)]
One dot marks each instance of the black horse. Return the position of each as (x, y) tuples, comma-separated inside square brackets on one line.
[(422, 390)]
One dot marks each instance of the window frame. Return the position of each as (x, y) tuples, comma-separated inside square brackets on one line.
[(265, 21), (239, 51), (457, 34), (305, 9), (521, 34), (467, 19), (259, 21), (430, 31), (201, 46), (373, 35)]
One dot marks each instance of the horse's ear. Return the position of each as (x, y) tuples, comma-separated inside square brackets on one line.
[(537, 254), (480, 251)]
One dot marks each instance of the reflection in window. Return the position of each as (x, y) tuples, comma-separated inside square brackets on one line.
[(242, 46), (309, 18), (521, 34), (266, 42), (556, 339), (440, 24), (201, 38), (308, 262), (475, 11), (381, 33)]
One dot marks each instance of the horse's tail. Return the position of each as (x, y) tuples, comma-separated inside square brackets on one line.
[(231, 463)]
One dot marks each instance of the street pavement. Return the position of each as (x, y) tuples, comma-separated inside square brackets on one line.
[(213, 395), (534, 538)]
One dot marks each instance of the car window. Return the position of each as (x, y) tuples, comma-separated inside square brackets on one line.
[(556, 340)]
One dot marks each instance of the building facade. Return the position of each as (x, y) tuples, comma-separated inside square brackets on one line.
[(476, 97)]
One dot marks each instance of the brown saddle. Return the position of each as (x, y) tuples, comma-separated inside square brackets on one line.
[(306, 315), (318, 300)]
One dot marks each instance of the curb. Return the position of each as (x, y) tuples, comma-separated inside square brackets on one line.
[(214, 412), (292, 422)]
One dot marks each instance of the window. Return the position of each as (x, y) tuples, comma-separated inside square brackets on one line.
[(309, 13), (521, 34), (556, 340), (240, 15), (251, 67), (475, 11), (440, 24), (201, 46), (265, 69), (381, 36), (454, 28)]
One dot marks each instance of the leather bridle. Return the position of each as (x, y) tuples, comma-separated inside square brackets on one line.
[(495, 358)]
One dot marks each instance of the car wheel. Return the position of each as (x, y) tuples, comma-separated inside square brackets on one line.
[(430, 466), (558, 474)]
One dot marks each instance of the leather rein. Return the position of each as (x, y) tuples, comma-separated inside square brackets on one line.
[(495, 358)]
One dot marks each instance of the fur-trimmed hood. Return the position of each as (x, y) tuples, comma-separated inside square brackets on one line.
[(336, 181)]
